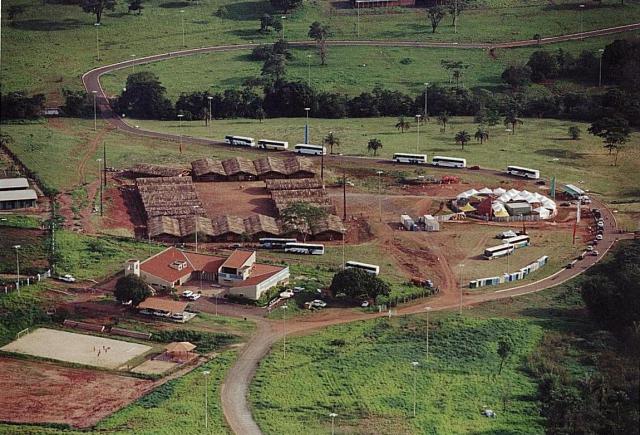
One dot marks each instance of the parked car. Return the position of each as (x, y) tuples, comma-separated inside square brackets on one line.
[(67, 278), (177, 316), (318, 303), (161, 314), (146, 312), (194, 297), (126, 303), (187, 293), (599, 237), (590, 248), (286, 294), (298, 289), (365, 304), (594, 253)]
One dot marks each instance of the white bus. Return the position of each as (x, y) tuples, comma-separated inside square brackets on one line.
[(240, 140), (498, 251), (267, 144), (519, 241), (451, 162), (523, 172), (274, 243), (420, 159), (314, 150), (304, 248), (370, 268)]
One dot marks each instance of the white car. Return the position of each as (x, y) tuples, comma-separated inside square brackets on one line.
[(194, 297), (318, 303), (365, 304), (67, 278), (286, 294), (595, 253), (177, 316), (187, 293), (298, 289), (599, 237), (590, 248)]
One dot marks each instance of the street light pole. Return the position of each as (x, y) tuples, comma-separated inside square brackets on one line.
[(184, 44), (380, 193), (206, 399), (418, 142), (415, 365), (428, 310), (284, 331), (601, 51), (283, 17), (358, 21), (581, 26), (180, 116), (461, 287), (306, 126), (133, 65), (100, 183), (426, 107), (95, 111), (195, 218), (333, 416), (16, 247), (97, 25), (309, 70)]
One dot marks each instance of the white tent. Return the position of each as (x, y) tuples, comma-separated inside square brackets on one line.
[(547, 203), (512, 192), (498, 191), (543, 212), (485, 191)]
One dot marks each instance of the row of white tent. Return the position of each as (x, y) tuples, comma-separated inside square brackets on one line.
[(544, 209)]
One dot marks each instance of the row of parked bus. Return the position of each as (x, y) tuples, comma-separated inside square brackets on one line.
[(508, 247), (456, 162), (295, 247), (268, 144)]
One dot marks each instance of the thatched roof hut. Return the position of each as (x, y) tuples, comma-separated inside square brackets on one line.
[(329, 228), (294, 184), (164, 226), (299, 167), (270, 167), (239, 169), (208, 170), (141, 170), (260, 225), (227, 228)]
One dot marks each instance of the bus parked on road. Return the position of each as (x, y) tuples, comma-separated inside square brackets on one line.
[(274, 243), (523, 172), (420, 159), (519, 241), (369, 268), (314, 150), (451, 162), (498, 251), (268, 144), (240, 141), (304, 248)]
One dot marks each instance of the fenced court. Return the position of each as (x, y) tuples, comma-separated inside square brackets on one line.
[(76, 348)]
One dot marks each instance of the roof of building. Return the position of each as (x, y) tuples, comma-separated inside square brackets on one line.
[(18, 195), (238, 259), (158, 170), (297, 164), (13, 183), (330, 222), (293, 184), (259, 273), (207, 166), (160, 265), (237, 165), (570, 188), (267, 165), (162, 304), (260, 223), (204, 262)]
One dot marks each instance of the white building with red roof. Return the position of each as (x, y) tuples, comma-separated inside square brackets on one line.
[(239, 272)]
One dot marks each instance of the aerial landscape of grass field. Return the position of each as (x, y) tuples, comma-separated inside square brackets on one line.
[(447, 244)]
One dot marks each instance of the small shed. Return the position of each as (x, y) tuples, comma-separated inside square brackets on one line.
[(239, 169), (520, 208), (144, 170), (260, 225), (299, 167), (329, 228), (208, 170), (180, 347), (270, 168), (430, 223), (228, 229)]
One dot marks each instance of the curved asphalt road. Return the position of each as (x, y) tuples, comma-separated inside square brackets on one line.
[(236, 384)]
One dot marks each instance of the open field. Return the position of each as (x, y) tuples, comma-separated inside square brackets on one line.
[(32, 253), (77, 348), (38, 392), (349, 70), (50, 32)]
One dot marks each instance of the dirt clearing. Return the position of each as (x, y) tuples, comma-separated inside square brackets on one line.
[(37, 392), (237, 198)]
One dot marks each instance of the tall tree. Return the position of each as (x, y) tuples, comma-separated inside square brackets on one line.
[(511, 120), (358, 284), (136, 5), (402, 124), (374, 145), (331, 140), (145, 98), (443, 119), (505, 349), (320, 33), (481, 135), (462, 137), (435, 15), (96, 7), (131, 288), (275, 66), (455, 9), (574, 132), (614, 131), (517, 76), (285, 5)]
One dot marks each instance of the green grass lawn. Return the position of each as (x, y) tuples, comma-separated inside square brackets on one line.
[(363, 372), (49, 47), (345, 71), (175, 407)]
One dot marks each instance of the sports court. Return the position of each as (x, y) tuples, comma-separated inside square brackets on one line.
[(76, 348)]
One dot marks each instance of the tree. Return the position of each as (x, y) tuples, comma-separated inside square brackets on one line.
[(435, 15), (443, 119), (544, 66), (481, 135), (265, 21), (285, 5), (320, 33), (302, 216), (511, 120), (517, 76), (96, 7), (374, 145), (331, 140), (13, 12), (78, 104), (455, 9), (131, 288), (574, 132), (614, 131), (402, 124), (358, 284), (537, 37), (493, 117), (145, 98), (462, 137), (505, 349), (261, 114), (136, 5), (275, 66)]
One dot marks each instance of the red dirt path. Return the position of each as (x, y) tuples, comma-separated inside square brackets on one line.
[(43, 392)]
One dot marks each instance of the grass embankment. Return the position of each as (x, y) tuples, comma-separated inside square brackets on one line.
[(363, 372), (175, 407), (349, 70), (50, 32)]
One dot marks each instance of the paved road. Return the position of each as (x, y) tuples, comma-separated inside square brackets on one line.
[(235, 387)]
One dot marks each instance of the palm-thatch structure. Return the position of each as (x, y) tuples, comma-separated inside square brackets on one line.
[(228, 229), (260, 225), (294, 184), (145, 170), (299, 167), (239, 169), (170, 196), (208, 170), (270, 167), (329, 228)]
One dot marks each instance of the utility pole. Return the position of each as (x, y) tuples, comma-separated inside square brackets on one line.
[(426, 107), (17, 247), (344, 195), (284, 334), (104, 162), (95, 111), (428, 310), (100, 183), (380, 194)]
